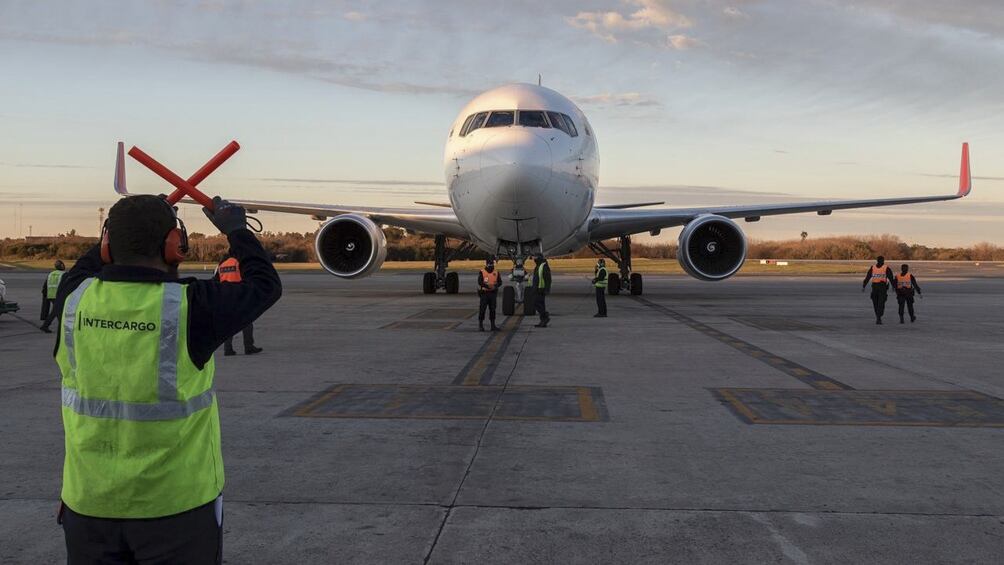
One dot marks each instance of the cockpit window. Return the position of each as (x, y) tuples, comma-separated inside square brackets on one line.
[(532, 119), (473, 122), (563, 122), (500, 118)]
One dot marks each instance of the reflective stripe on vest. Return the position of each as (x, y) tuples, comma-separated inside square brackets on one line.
[(601, 272), (230, 271), (879, 274), (52, 284), (140, 418), (903, 281), (540, 276), (491, 280)]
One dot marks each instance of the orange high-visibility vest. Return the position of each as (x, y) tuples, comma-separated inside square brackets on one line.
[(491, 279), (903, 281), (878, 274), (230, 271)]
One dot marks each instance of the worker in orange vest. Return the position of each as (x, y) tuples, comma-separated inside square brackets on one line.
[(489, 282), (879, 276), (229, 271), (906, 286)]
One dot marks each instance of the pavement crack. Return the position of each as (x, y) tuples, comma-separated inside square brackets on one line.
[(477, 449)]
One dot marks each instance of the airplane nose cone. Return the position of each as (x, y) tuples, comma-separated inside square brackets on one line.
[(515, 166)]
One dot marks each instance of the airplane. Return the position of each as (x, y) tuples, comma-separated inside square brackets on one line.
[(522, 170)]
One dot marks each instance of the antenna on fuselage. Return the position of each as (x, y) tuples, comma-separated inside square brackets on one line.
[(538, 79)]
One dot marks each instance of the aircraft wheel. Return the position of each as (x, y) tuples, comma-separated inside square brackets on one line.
[(429, 283), (613, 284), (452, 283), (530, 301), (636, 284), (508, 301)]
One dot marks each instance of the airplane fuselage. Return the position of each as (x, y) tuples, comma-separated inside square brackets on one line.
[(522, 167)]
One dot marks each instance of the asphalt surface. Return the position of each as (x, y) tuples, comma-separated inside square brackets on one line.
[(762, 419)]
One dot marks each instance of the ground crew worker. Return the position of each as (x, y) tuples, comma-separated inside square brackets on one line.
[(879, 276), (229, 271), (541, 283), (49, 288), (600, 282), (489, 282), (906, 286), (143, 472)]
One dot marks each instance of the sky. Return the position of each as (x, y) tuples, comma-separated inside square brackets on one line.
[(692, 101)]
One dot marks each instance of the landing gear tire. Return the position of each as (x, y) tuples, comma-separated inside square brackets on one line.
[(636, 284), (508, 301), (530, 302), (452, 283), (429, 283), (613, 284)]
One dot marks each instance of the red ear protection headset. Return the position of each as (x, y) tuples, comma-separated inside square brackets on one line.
[(173, 249)]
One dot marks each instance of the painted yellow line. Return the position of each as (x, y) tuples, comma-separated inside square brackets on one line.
[(586, 406), (739, 406), (306, 410)]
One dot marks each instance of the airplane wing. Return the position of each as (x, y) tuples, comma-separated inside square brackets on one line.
[(434, 221), (609, 223)]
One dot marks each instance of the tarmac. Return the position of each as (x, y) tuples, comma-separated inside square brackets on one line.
[(760, 419)]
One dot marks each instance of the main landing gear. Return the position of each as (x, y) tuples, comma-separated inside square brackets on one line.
[(440, 279), (625, 280)]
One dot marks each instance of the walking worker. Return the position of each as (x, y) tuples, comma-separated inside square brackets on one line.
[(600, 282), (879, 276), (49, 289), (229, 271), (906, 286), (489, 282), (143, 473), (541, 284)]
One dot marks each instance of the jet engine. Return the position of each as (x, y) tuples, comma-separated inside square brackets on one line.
[(711, 248), (351, 246)]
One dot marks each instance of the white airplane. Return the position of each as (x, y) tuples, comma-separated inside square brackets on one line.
[(522, 170)]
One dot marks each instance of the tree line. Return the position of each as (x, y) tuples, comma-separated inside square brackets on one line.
[(294, 247)]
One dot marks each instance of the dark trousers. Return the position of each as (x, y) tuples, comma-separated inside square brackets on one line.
[(50, 314), (601, 301), (878, 301), (539, 303), (248, 339), (488, 302), (905, 300), (46, 305), (193, 537)]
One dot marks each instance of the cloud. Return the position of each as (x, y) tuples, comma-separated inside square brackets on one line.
[(354, 181), (682, 42), (649, 15), (46, 166), (734, 13), (354, 16), (616, 99)]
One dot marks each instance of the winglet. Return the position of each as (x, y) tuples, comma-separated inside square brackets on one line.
[(965, 178), (120, 179)]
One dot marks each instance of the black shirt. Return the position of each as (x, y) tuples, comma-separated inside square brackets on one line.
[(216, 310)]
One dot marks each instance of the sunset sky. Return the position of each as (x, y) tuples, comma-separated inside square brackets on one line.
[(693, 102)]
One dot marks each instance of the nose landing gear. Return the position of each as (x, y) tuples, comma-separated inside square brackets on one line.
[(625, 280), (440, 279), (518, 292)]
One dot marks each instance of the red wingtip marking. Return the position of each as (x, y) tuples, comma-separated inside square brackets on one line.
[(965, 179)]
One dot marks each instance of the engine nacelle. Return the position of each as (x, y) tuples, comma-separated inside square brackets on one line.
[(350, 246), (711, 248)]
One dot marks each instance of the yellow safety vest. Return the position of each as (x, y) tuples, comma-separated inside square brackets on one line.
[(540, 276), (52, 284), (141, 421), (601, 272)]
